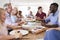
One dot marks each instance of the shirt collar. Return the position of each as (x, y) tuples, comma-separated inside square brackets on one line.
[(56, 13)]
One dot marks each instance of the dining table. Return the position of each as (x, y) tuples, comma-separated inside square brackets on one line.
[(37, 35)]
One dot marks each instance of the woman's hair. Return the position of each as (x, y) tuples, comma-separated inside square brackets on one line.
[(16, 10), (20, 14), (1, 10)]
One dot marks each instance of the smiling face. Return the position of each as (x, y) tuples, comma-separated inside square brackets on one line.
[(9, 10), (40, 10), (53, 7), (14, 11)]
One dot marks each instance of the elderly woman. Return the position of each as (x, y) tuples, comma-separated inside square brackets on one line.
[(3, 28)]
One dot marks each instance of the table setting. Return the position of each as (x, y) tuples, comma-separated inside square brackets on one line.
[(32, 27)]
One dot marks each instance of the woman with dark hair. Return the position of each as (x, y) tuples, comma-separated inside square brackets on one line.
[(20, 14), (20, 18)]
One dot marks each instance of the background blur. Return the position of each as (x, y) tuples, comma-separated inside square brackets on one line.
[(34, 4)]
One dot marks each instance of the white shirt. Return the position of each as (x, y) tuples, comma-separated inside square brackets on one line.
[(10, 20), (3, 29)]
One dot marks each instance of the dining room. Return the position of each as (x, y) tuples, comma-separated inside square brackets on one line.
[(29, 19)]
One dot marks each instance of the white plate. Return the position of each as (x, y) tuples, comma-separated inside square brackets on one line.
[(40, 27), (13, 32), (28, 26), (23, 32), (25, 26), (35, 30)]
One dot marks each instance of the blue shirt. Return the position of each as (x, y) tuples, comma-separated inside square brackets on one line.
[(52, 18), (13, 18), (59, 19)]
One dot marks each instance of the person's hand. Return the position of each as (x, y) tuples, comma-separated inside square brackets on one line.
[(5, 37), (55, 28), (11, 36), (21, 22), (58, 28), (51, 29), (38, 18), (43, 24), (18, 35)]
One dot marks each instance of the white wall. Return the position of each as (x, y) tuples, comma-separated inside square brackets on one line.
[(34, 4), (2, 2), (57, 1), (24, 4)]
